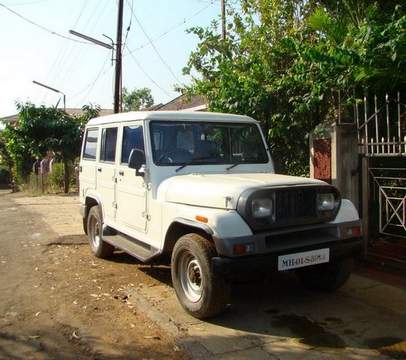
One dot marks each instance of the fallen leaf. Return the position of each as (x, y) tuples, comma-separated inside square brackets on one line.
[(154, 337)]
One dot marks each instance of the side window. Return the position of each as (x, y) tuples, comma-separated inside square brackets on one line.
[(108, 145), (132, 139), (89, 151)]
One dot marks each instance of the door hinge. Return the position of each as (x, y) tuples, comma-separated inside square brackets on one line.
[(114, 205), (146, 216), (146, 186)]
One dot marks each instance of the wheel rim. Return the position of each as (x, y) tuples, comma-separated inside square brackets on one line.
[(95, 232), (191, 279)]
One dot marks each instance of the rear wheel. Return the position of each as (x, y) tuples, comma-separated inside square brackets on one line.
[(99, 247), (326, 277), (201, 292)]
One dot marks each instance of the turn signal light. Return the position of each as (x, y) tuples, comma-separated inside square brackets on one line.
[(355, 231), (242, 249), (202, 219)]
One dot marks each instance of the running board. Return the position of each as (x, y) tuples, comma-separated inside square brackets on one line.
[(136, 248)]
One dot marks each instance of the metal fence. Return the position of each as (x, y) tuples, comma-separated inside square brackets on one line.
[(381, 124)]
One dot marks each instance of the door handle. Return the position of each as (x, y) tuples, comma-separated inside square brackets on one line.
[(99, 169), (121, 173)]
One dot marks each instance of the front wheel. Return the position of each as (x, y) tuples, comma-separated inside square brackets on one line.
[(201, 292), (326, 277)]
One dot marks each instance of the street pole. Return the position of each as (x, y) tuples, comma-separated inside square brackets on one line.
[(117, 80), (54, 90), (223, 19)]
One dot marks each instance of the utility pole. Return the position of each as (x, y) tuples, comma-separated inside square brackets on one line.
[(223, 19), (118, 58), (117, 80)]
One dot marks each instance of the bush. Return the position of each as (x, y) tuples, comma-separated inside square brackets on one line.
[(56, 177)]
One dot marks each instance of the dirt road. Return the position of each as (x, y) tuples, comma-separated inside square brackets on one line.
[(59, 302)]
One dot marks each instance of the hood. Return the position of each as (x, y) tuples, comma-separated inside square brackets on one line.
[(223, 190)]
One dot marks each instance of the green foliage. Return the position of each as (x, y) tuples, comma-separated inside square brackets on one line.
[(42, 129), (56, 178), (138, 99), (283, 61)]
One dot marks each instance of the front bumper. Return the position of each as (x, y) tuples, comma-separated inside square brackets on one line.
[(248, 266)]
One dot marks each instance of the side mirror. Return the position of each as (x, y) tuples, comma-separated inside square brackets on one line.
[(136, 160)]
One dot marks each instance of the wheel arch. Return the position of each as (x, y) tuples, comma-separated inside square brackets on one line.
[(90, 201), (182, 226)]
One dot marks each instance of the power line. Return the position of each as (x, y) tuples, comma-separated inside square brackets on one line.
[(130, 23), (154, 47), (172, 28), (101, 73), (91, 84), (40, 26), (147, 75), (27, 3)]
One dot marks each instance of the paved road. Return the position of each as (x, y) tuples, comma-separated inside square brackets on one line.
[(278, 319), (52, 290)]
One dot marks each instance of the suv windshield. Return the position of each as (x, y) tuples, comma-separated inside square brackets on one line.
[(186, 142)]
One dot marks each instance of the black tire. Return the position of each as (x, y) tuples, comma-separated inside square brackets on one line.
[(100, 248), (202, 293), (326, 277)]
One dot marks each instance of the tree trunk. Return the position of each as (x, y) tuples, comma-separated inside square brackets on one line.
[(66, 176)]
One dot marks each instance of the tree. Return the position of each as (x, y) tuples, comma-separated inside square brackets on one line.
[(5, 158), (40, 129), (138, 99), (283, 60)]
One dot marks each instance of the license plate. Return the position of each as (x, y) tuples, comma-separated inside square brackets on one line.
[(302, 259)]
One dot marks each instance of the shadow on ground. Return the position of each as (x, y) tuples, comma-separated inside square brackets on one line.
[(278, 306)]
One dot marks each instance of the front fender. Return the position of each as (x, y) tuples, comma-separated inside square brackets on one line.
[(220, 223), (347, 212)]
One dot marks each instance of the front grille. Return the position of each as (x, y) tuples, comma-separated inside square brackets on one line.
[(294, 204)]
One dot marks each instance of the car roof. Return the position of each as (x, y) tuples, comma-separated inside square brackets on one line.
[(169, 116)]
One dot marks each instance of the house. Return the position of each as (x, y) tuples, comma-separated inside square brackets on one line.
[(71, 111), (184, 103)]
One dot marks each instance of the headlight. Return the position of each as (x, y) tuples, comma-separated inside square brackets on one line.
[(325, 202), (262, 208)]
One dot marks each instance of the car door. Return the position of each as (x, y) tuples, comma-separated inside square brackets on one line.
[(131, 188), (106, 172)]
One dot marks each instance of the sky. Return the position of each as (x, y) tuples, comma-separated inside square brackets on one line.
[(83, 71)]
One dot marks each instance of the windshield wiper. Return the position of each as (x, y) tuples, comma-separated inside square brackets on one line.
[(193, 162), (233, 166), (183, 166)]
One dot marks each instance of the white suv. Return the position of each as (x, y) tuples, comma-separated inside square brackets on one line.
[(200, 189)]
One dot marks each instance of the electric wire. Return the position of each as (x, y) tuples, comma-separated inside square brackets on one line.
[(172, 28), (27, 3), (148, 76), (92, 83), (129, 25), (154, 47), (43, 27)]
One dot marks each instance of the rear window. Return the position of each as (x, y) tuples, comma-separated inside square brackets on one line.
[(89, 151)]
